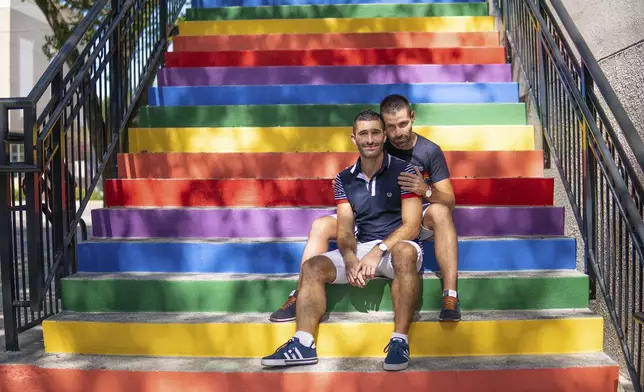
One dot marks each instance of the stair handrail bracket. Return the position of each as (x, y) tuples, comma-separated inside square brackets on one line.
[(602, 180), (95, 84)]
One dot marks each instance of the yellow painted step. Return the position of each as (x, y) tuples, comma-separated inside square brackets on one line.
[(338, 25), (336, 339), (321, 139)]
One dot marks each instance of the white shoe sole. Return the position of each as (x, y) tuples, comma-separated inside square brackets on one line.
[(289, 362), (395, 366)]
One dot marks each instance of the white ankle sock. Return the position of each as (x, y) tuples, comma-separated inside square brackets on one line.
[(305, 338), (400, 336)]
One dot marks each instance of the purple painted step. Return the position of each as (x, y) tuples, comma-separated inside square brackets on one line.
[(378, 74), (281, 223)]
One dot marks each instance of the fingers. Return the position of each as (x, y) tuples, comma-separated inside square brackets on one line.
[(418, 173), (406, 175), (360, 279), (408, 183), (353, 278), (368, 271)]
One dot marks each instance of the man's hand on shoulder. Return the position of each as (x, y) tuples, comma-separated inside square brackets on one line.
[(413, 182)]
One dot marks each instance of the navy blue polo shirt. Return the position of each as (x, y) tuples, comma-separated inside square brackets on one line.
[(376, 204)]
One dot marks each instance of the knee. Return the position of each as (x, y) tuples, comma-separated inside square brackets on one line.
[(314, 268), (323, 228), (404, 257), (437, 215)]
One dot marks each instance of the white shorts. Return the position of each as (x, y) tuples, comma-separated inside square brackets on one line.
[(384, 269), (425, 233)]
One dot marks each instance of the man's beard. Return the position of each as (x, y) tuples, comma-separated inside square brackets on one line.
[(402, 141)]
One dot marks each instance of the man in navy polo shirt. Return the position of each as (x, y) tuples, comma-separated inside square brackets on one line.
[(387, 244), (431, 181)]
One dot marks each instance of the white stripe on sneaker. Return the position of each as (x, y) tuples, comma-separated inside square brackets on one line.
[(299, 354)]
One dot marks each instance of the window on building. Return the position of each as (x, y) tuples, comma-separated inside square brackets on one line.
[(17, 153)]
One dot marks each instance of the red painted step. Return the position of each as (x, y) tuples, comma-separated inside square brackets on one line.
[(304, 192), (347, 57)]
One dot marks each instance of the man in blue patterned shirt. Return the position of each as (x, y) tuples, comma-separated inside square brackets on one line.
[(387, 244)]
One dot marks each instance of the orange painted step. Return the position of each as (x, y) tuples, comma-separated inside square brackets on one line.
[(334, 41), (492, 164), (348, 57), (304, 192), (577, 377)]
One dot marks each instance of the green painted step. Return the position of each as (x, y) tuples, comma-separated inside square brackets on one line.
[(324, 115), (89, 292), (339, 11)]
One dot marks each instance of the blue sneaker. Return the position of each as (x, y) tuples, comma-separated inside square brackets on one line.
[(287, 311), (397, 355), (292, 353)]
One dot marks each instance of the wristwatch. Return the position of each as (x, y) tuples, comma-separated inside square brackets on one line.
[(429, 192), (383, 247)]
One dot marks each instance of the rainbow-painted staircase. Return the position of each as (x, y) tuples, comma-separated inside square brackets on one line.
[(233, 159)]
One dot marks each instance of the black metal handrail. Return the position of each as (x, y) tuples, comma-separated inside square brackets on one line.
[(70, 141), (602, 180)]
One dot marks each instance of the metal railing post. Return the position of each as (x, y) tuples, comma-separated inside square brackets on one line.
[(116, 92), (543, 91), (590, 190), (60, 198), (33, 195), (6, 242)]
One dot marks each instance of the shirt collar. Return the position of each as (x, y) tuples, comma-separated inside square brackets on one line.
[(356, 170)]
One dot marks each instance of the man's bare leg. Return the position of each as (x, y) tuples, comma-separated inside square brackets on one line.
[(301, 350), (439, 219), (404, 287), (404, 293), (311, 303), (322, 231)]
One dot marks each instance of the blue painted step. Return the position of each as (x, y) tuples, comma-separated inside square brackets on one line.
[(254, 3), (284, 257), (333, 94)]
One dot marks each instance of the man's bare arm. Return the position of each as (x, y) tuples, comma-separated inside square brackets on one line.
[(345, 234), (412, 209), (443, 193)]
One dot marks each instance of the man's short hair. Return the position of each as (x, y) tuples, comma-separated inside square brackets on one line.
[(367, 115), (393, 103)]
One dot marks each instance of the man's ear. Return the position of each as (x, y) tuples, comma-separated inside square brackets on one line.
[(412, 115)]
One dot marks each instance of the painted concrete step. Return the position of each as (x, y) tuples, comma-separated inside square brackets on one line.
[(305, 193), (181, 292), (368, 74), (335, 41), (296, 222), (324, 115), (337, 25), (487, 164), (339, 57), (284, 257), (332, 94), (252, 336), (321, 139), (317, 11), (513, 373), (252, 3)]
